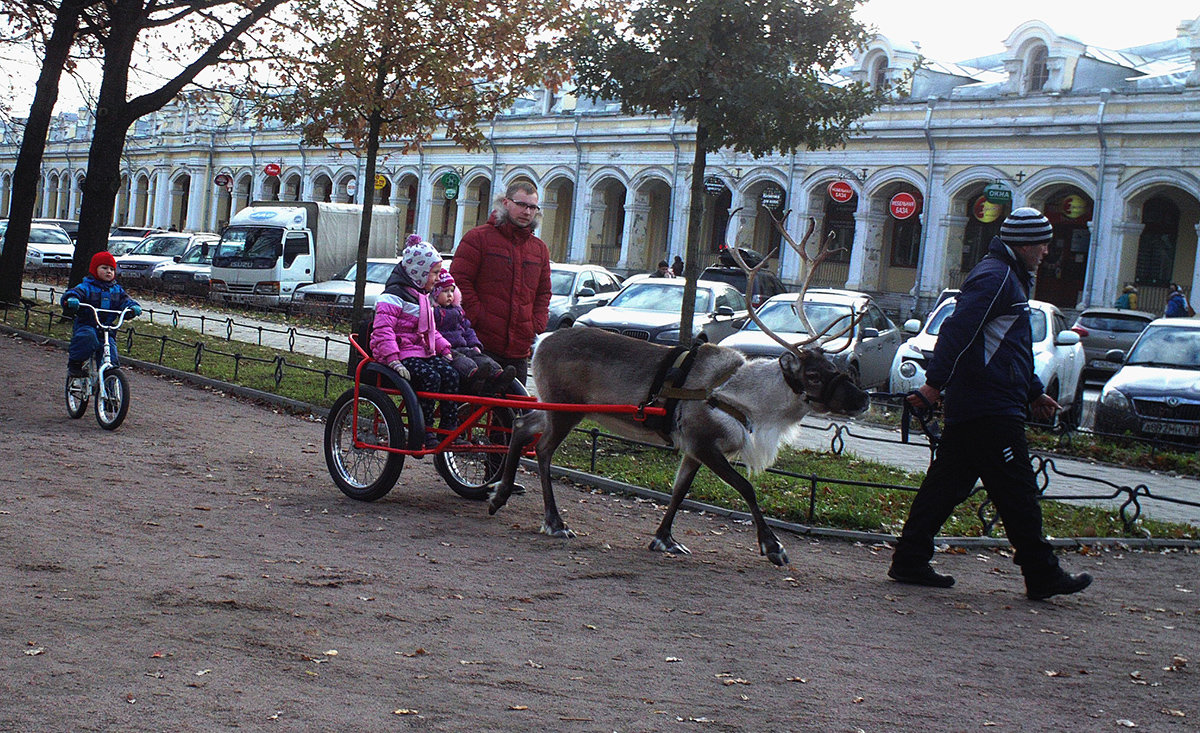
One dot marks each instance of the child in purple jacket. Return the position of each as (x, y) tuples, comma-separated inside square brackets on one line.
[(477, 371)]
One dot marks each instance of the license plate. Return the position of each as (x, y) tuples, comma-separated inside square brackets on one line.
[(1189, 430), (1102, 364)]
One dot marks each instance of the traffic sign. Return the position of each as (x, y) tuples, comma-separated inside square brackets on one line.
[(986, 211), (450, 183), (380, 181), (903, 205), (840, 191), (222, 179), (714, 186), (1074, 206), (271, 169), (772, 197), (351, 187)]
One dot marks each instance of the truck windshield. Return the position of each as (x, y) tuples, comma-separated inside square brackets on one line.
[(249, 247)]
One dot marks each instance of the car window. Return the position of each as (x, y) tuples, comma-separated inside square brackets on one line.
[(199, 254), (780, 316), (161, 246), (1037, 320), (1060, 323), (379, 272), (48, 236), (939, 317), (1117, 323), (1167, 346), (561, 281), (608, 283), (661, 297), (589, 281), (877, 319)]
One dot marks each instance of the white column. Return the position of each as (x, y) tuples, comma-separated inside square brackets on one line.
[(425, 210), (196, 199), (162, 198), (633, 213), (581, 223), (858, 250)]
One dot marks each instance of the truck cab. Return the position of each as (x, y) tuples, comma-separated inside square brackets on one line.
[(264, 254)]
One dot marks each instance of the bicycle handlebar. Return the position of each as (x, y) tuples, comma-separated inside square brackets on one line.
[(97, 311)]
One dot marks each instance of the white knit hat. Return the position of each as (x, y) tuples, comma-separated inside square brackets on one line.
[(1025, 226)]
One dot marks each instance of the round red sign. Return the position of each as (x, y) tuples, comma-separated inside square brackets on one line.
[(271, 169), (222, 179), (841, 191), (903, 205)]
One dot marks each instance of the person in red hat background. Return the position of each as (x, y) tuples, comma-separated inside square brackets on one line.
[(100, 289)]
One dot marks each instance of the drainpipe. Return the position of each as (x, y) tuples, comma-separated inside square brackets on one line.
[(495, 159), (674, 177), (304, 170), (253, 169), (791, 182), (1094, 243), (208, 200), (578, 186), (925, 229)]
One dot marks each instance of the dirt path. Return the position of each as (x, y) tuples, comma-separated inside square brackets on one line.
[(197, 570)]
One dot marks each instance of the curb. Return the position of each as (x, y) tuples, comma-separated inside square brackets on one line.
[(619, 487)]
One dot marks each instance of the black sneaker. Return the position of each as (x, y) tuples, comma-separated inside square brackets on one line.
[(74, 369), (919, 575), (1058, 583)]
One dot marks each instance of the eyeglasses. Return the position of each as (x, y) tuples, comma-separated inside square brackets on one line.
[(525, 206)]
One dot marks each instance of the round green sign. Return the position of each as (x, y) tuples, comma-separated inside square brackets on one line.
[(450, 181)]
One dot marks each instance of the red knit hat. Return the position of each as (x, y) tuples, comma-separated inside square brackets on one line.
[(101, 258)]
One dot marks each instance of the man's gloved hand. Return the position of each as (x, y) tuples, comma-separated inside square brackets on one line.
[(399, 368), (71, 304), (136, 310)]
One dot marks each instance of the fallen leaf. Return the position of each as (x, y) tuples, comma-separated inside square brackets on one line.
[(858, 700), (1126, 723), (535, 665), (130, 698), (405, 711), (203, 672), (1174, 713), (34, 652), (331, 653), (669, 659), (802, 680), (518, 707)]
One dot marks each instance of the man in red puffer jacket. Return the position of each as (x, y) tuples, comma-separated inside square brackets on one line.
[(503, 273)]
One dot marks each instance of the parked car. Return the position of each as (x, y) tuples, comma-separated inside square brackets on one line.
[(865, 352), (70, 226), (158, 250), (188, 272), (649, 310), (766, 283), (1103, 329), (49, 246), (339, 291), (577, 289), (1057, 354), (1156, 390), (123, 239)]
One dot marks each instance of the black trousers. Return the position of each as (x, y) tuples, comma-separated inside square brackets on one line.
[(993, 450)]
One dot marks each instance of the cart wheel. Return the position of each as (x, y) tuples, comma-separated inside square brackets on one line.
[(365, 474), (470, 474), (77, 396)]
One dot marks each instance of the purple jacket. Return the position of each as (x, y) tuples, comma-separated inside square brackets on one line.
[(455, 327)]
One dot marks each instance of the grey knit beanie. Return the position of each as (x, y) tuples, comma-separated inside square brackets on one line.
[(1026, 226)]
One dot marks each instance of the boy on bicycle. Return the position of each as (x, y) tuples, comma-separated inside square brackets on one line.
[(101, 290)]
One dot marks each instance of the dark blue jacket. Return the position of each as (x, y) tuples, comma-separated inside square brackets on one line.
[(110, 296), (983, 359), (1176, 305)]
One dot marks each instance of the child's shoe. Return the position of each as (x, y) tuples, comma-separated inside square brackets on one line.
[(503, 381), (75, 369)]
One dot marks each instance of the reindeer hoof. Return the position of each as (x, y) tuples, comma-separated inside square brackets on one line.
[(777, 556), (563, 533), (670, 545)]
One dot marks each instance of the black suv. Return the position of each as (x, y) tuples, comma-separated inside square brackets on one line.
[(766, 284)]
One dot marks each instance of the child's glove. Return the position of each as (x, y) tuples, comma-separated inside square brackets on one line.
[(398, 367), (136, 309), (71, 304)]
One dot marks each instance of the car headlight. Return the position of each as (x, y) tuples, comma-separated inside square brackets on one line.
[(200, 276), (345, 299), (1113, 399), (34, 253), (908, 369), (670, 336)]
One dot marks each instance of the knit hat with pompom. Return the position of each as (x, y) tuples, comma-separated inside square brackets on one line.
[(418, 258)]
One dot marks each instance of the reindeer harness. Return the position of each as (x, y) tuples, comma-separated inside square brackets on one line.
[(667, 390)]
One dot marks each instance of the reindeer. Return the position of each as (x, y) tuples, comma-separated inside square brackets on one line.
[(730, 406)]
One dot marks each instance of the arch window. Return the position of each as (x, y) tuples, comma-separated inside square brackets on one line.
[(1156, 246), (878, 72), (1037, 69)]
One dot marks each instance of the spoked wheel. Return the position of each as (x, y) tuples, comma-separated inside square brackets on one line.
[(470, 475), (77, 396), (365, 473), (112, 403)]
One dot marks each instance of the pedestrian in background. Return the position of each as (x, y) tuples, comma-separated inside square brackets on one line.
[(982, 366), (677, 266), (1128, 299), (664, 270), (503, 273), (1177, 304)]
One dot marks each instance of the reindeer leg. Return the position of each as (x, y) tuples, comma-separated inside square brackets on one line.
[(561, 424), (663, 541), (524, 428), (768, 543)]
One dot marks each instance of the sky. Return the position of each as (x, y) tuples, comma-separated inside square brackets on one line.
[(947, 30), (956, 30)]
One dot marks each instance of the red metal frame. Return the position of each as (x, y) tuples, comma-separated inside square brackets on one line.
[(483, 409)]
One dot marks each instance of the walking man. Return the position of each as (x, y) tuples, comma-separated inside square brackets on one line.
[(982, 367)]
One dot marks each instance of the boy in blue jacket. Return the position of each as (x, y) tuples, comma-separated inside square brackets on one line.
[(100, 289)]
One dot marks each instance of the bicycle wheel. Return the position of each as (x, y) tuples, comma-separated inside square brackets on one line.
[(470, 475), (77, 396), (365, 474), (112, 403)]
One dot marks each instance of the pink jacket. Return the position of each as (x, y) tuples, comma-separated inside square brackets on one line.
[(403, 329)]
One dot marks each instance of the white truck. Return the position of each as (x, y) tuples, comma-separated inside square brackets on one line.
[(270, 248)]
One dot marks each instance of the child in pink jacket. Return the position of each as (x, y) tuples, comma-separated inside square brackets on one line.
[(405, 337)]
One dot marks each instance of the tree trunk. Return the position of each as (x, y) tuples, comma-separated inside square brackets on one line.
[(691, 259), (26, 175)]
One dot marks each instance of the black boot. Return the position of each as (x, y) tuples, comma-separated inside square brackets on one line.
[(1057, 582), (75, 369), (919, 575), (502, 382)]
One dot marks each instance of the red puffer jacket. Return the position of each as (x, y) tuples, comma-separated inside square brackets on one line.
[(503, 272)]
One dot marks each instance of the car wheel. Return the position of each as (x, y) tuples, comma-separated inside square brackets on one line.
[(855, 374), (1072, 416), (565, 323)]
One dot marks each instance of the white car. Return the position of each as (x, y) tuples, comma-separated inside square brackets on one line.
[(49, 246), (159, 250), (1058, 357), (339, 292), (190, 272)]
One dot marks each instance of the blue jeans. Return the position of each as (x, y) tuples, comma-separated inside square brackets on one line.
[(85, 341)]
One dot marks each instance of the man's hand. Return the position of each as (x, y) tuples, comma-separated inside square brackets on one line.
[(931, 395), (1044, 407)]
